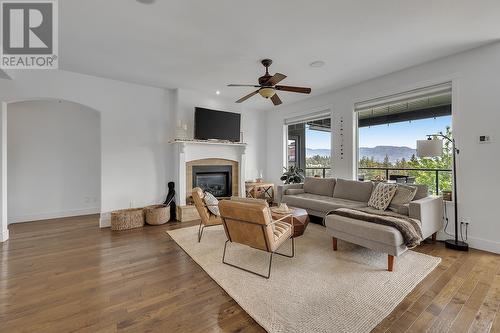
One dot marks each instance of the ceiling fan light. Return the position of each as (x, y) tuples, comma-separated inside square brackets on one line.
[(267, 92)]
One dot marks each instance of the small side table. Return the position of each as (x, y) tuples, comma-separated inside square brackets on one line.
[(256, 190), (299, 220)]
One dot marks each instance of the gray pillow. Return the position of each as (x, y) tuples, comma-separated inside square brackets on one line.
[(404, 194), (382, 195), (403, 210), (212, 203), (422, 191), (319, 186), (353, 190)]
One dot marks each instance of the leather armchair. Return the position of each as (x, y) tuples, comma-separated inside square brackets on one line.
[(251, 224), (207, 218)]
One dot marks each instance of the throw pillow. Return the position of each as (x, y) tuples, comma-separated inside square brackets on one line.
[(212, 203), (404, 194), (403, 210), (382, 195)]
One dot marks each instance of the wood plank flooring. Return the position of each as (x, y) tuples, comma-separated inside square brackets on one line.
[(67, 275)]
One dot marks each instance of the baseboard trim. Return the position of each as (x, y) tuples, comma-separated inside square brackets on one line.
[(476, 243), (484, 244), (4, 236), (53, 215), (105, 220)]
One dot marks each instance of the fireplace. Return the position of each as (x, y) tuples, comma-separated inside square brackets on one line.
[(216, 179), (218, 175)]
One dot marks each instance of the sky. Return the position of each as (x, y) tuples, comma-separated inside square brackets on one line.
[(402, 134), (317, 139), (397, 134)]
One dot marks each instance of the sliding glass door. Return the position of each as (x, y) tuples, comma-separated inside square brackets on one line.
[(389, 129), (309, 146)]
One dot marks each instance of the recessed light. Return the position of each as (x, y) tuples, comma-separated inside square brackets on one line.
[(317, 63), (217, 92)]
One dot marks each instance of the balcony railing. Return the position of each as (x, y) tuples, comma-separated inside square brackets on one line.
[(410, 172), (318, 171), (384, 173)]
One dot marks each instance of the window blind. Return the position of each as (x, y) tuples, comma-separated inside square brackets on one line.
[(308, 118), (416, 96)]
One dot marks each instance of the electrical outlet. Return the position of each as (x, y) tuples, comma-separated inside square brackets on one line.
[(484, 139), (465, 220)]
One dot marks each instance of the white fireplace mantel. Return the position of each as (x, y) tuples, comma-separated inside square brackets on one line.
[(190, 150)]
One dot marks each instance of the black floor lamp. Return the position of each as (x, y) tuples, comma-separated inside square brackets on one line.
[(433, 147)]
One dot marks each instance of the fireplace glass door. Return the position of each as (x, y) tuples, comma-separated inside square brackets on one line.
[(214, 179)]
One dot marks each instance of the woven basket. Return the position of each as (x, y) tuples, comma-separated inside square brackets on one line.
[(157, 214), (127, 219)]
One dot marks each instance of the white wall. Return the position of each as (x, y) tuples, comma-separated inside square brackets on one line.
[(135, 126), (53, 160), (253, 124), (476, 85)]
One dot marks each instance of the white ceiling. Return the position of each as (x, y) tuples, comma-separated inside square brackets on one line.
[(207, 44)]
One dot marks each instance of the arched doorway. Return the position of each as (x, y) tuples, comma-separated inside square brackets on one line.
[(53, 160)]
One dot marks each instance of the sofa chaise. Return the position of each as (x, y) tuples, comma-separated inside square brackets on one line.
[(321, 196)]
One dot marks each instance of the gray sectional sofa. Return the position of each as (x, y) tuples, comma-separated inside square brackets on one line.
[(319, 196)]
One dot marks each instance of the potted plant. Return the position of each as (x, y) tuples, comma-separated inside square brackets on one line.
[(292, 175)]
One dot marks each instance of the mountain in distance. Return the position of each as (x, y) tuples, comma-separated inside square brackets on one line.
[(378, 153), (321, 152)]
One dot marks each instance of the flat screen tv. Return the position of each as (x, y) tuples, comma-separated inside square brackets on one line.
[(220, 125)]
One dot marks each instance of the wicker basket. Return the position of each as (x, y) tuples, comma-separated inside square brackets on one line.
[(157, 214), (127, 219)]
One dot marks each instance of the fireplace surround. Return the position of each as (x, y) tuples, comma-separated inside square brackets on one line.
[(190, 153), (218, 176)]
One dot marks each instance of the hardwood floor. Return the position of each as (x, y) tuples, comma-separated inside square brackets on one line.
[(68, 275)]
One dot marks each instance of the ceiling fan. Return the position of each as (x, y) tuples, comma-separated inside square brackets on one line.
[(268, 86)]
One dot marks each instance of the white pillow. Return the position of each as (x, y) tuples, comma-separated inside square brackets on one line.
[(212, 203), (382, 196)]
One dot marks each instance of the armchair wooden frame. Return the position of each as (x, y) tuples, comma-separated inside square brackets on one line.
[(268, 248)]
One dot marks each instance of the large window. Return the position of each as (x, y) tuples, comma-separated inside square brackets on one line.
[(387, 135), (309, 147)]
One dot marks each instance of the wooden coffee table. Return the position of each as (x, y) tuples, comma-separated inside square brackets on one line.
[(299, 220)]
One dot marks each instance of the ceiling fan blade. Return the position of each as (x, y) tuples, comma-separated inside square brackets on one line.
[(243, 85), (276, 78), (276, 100), (244, 98), (301, 90)]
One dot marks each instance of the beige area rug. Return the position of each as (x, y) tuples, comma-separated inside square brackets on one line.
[(317, 291)]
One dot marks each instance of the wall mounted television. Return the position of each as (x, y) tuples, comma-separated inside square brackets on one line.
[(219, 125)]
